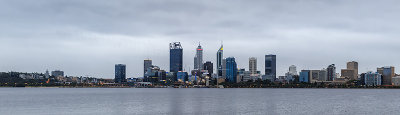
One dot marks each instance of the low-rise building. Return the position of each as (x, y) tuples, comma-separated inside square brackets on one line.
[(396, 81), (372, 79)]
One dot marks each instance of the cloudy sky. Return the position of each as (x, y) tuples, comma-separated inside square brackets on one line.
[(87, 37)]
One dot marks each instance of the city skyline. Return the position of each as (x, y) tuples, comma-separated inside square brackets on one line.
[(85, 38)]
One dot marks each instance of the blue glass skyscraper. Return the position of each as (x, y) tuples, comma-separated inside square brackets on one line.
[(175, 57), (120, 73), (231, 69)]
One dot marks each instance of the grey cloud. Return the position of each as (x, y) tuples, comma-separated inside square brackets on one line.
[(88, 37)]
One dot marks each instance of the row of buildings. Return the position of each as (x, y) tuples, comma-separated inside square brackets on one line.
[(228, 71), (226, 68), (383, 75), (57, 76)]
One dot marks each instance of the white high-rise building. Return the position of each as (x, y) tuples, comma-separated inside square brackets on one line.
[(253, 65), (47, 74), (292, 70)]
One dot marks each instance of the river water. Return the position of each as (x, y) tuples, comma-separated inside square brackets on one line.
[(169, 101)]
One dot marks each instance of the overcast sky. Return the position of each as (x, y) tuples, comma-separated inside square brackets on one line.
[(87, 37)]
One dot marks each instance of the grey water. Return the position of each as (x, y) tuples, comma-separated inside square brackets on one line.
[(169, 101)]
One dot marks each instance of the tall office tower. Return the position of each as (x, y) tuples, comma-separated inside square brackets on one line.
[(331, 72), (387, 74), (209, 67), (292, 70), (223, 68), (198, 58), (353, 65), (220, 57), (253, 65), (231, 70), (120, 73), (175, 57), (147, 63), (270, 66), (57, 73)]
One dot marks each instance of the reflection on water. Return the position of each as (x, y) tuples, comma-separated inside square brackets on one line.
[(67, 101)]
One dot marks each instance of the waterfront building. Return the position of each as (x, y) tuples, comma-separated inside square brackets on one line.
[(268, 77), (362, 79), (253, 65), (231, 70), (353, 65), (331, 72), (57, 73), (349, 74), (175, 57), (146, 64), (396, 81), (182, 76), (240, 75), (292, 70), (289, 77), (304, 76), (155, 74), (270, 66), (323, 75), (198, 58), (197, 73), (120, 73), (314, 76), (220, 57), (387, 73), (209, 67), (373, 79), (247, 76), (47, 74)]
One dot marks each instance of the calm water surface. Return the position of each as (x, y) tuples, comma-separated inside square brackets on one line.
[(128, 101)]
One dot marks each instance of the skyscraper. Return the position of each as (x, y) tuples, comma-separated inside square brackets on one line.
[(209, 67), (253, 65), (387, 74), (198, 58), (147, 64), (220, 57), (353, 65), (223, 68), (120, 73), (270, 65), (331, 72), (175, 57), (231, 70)]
